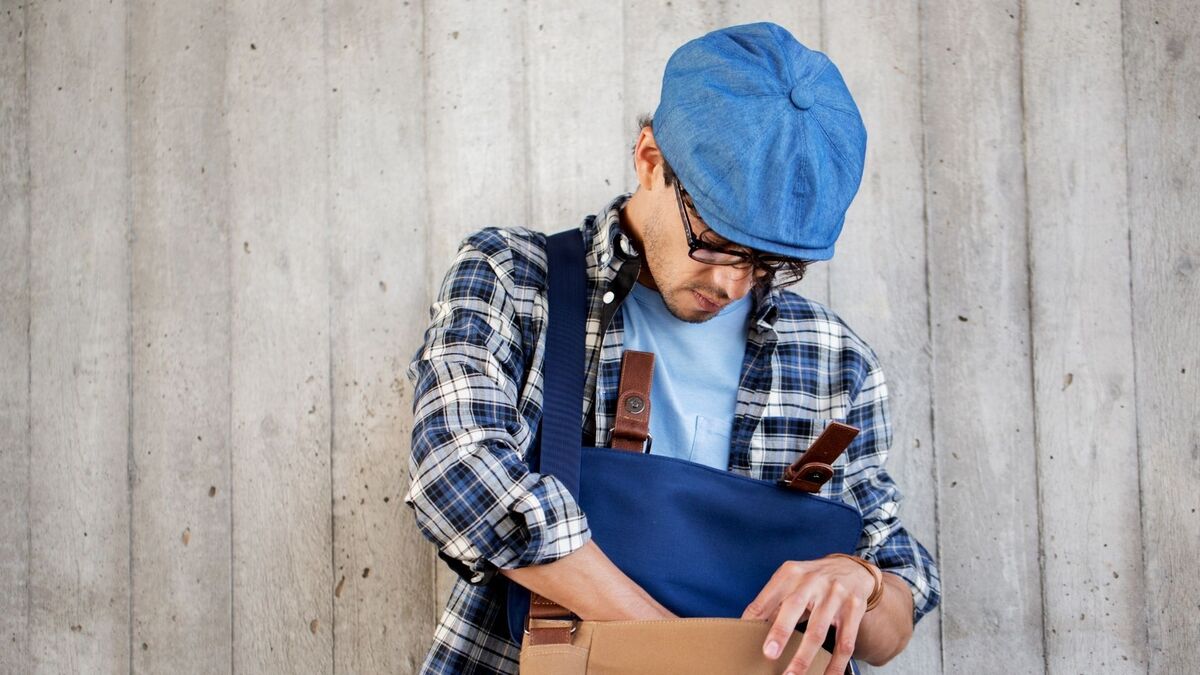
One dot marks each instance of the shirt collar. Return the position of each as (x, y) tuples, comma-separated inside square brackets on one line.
[(608, 245)]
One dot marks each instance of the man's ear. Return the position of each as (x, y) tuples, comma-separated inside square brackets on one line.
[(648, 161)]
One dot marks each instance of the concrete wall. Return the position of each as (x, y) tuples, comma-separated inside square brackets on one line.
[(221, 224)]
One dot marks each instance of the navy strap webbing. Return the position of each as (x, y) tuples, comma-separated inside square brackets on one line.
[(562, 407)]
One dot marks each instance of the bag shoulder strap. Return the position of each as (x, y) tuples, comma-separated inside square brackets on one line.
[(561, 452), (562, 401), (560, 436)]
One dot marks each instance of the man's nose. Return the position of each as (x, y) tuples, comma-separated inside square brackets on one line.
[(733, 282)]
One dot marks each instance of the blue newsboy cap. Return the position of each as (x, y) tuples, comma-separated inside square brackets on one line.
[(765, 137)]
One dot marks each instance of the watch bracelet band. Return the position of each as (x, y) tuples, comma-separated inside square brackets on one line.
[(876, 574)]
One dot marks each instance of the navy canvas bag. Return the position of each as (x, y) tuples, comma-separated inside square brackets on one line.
[(701, 541)]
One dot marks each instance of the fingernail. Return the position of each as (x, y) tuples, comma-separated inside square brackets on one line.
[(772, 649)]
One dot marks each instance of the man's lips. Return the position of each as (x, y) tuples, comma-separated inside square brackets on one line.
[(706, 304)]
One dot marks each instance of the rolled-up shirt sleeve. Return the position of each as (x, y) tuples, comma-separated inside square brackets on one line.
[(471, 489), (884, 540)]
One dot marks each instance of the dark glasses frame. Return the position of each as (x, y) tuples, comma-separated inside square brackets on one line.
[(711, 254)]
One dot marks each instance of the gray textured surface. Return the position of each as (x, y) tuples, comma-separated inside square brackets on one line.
[(979, 315), (14, 344), (79, 340), (280, 246), (1162, 84), (382, 619), (1083, 339), (180, 442), (222, 224)]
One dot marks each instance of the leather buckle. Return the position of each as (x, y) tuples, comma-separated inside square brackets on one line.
[(549, 623), (809, 477), (549, 631), (814, 468)]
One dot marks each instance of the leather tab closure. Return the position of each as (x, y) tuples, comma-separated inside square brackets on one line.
[(549, 631), (815, 467), (548, 622), (632, 425)]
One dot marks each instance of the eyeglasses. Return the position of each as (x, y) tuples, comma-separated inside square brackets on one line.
[(711, 254)]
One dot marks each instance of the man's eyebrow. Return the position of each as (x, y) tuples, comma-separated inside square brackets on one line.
[(718, 240)]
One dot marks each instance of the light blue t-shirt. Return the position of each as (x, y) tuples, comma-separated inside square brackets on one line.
[(696, 371)]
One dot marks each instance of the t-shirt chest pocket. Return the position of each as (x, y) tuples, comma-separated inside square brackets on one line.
[(710, 441)]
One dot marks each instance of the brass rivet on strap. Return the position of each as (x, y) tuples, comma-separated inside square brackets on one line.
[(635, 405)]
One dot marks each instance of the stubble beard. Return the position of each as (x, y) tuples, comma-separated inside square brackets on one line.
[(652, 242)]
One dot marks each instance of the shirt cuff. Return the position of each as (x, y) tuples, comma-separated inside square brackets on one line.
[(543, 523), (925, 594)]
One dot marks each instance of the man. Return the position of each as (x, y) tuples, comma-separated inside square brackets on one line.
[(744, 176)]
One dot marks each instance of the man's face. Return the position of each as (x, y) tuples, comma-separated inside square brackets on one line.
[(693, 291)]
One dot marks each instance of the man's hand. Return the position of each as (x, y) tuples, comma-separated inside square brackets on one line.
[(833, 592)]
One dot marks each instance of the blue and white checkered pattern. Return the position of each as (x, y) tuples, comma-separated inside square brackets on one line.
[(478, 399)]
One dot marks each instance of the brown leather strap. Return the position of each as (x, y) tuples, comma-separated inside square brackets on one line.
[(550, 631), (548, 622), (632, 425), (815, 466), (541, 607)]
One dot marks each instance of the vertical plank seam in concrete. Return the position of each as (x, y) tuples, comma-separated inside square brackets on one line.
[(129, 420), (1029, 291), (628, 113), (1133, 336), (527, 127), (623, 185), (822, 33), (227, 226), (28, 346), (330, 136), (426, 68), (933, 465)]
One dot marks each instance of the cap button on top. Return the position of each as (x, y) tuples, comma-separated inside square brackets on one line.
[(801, 97)]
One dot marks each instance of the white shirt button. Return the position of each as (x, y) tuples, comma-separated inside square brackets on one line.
[(608, 297), (627, 246), (605, 258)]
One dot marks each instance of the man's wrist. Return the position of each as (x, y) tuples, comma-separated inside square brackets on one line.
[(875, 573)]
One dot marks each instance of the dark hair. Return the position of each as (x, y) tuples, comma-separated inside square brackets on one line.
[(791, 272)]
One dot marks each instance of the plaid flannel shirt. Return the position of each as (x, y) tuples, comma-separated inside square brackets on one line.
[(478, 399)]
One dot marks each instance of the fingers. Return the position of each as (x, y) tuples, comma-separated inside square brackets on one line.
[(814, 636), (762, 606), (790, 612), (794, 594), (841, 607), (847, 623), (766, 603)]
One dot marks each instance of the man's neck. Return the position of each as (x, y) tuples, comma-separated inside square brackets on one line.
[(632, 218)]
